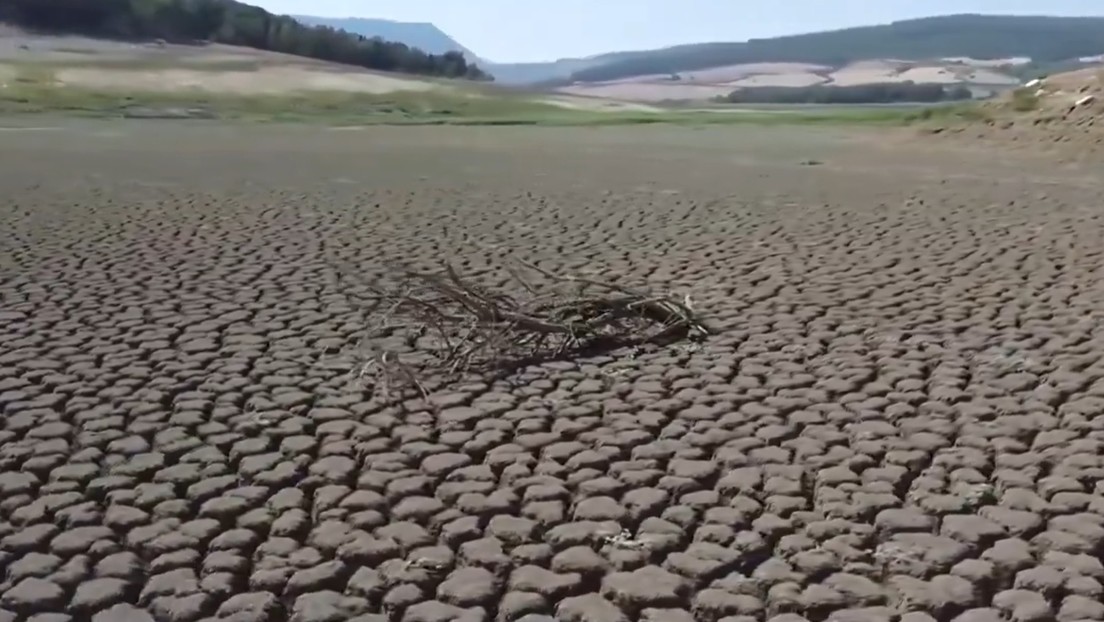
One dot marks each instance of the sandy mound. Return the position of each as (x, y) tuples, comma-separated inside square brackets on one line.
[(1064, 110)]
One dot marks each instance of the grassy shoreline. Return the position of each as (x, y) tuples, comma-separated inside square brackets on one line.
[(397, 108), (33, 90)]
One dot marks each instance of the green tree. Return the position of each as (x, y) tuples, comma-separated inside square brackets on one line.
[(230, 22)]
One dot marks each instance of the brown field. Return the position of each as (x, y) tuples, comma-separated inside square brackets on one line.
[(101, 66), (902, 413), (719, 81)]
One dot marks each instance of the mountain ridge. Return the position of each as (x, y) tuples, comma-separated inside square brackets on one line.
[(431, 39), (425, 36), (1049, 43), (1043, 39)]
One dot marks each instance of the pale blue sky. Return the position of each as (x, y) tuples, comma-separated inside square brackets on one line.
[(535, 30)]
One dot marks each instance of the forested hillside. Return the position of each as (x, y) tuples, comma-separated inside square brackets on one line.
[(1043, 39), (423, 36), (234, 23), (879, 93)]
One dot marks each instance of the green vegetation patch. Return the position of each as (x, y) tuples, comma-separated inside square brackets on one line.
[(1024, 100), (35, 91), (42, 96), (956, 113)]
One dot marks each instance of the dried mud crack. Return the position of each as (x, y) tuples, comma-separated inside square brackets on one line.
[(900, 418)]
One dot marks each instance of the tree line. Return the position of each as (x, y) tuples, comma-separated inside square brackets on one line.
[(233, 23), (1043, 39), (880, 93)]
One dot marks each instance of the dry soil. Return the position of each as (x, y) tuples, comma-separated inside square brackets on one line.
[(1060, 114), (900, 421), (113, 66)]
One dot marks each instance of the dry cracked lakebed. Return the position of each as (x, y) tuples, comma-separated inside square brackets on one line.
[(901, 420)]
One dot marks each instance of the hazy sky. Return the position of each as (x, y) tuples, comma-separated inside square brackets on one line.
[(535, 30)]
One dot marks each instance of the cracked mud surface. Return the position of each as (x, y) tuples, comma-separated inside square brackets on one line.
[(902, 419)]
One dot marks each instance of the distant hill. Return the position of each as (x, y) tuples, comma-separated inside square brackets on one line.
[(227, 21), (424, 36), (1045, 40), (552, 71), (430, 38), (1049, 43)]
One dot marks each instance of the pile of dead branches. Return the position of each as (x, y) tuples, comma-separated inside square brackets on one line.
[(458, 325)]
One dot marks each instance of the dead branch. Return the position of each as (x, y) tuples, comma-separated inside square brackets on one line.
[(455, 325)]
